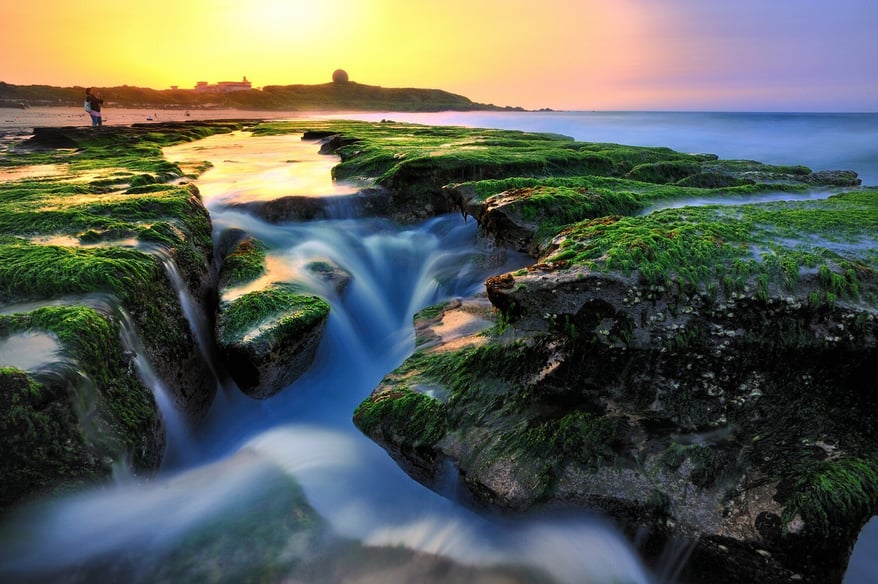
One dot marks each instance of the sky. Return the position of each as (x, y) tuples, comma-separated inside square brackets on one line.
[(689, 55)]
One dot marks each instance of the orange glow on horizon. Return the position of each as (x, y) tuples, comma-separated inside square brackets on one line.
[(564, 54)]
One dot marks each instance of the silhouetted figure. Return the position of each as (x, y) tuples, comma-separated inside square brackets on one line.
[(93, 102)]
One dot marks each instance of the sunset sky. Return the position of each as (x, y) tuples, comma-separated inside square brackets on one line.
[(735, 55)]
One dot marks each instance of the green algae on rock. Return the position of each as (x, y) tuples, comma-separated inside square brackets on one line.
[(716, 440), (67, 424), (243, 258), (414, 170), (101, 224), (269, 337)]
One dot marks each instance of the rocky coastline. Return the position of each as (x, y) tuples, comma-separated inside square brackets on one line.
[(705, 374)]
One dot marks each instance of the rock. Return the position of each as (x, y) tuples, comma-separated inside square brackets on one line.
[(333, 142), (52, 138), (367, 202), (268, 338), (835, 178), (65, 422), (86, 412), (330, 274), (702, 438), (292, 208), (242, 257), (731, 414)]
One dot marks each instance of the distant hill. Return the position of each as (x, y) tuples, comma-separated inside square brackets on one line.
[(346, 95)]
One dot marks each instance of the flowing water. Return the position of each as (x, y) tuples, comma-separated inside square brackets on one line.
[(306, 432)]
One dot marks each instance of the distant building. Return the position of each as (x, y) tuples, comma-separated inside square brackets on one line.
[(224, 86)]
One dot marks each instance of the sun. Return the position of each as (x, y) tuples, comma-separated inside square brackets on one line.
[(293, 17)]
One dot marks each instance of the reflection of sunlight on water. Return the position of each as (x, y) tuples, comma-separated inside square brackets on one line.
[(251, 168), (70, 241), (28, 351), (33, 171)]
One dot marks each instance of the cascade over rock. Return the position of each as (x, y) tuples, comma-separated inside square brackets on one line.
[(269, 336)]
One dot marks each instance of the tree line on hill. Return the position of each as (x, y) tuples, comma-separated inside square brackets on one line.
[(328, 96)]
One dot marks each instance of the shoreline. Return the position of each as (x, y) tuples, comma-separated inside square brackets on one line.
[(58, 116)]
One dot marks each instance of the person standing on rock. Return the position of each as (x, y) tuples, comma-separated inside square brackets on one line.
[(93, 102)]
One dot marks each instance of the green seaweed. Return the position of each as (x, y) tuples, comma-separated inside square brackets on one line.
[(284, 307), (42, 271), (418, 418), (696, 245), (60, 431), (835, 497), (77, 422), (244, 264)]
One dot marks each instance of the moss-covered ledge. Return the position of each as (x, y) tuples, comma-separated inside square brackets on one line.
[(90, 219), (69, 422), (409, 172), (268, 337)]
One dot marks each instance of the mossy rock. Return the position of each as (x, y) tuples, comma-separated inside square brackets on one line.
[(330, 274), (723, 399), (418, 169), (269, 337), (408, 424), (93, 223), (242, 257), (42, 442), (707, 441), (67, 424)]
